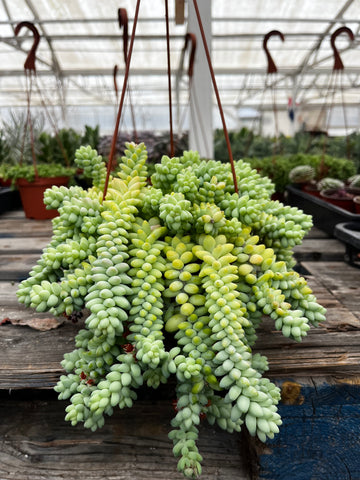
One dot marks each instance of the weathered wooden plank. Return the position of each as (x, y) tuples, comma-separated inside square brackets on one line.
[(331, 348), (324, 249), (317, 233), (314, 361), (318, 438), (16, 266), (324, 350), (16, 213), (335, 275), (31, 359), (324, 335), (36, 443), (17, 312), (8, 293), (24, 227), (21, 245), (341, 280)]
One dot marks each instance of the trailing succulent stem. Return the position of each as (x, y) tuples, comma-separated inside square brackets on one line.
[(176, 278)]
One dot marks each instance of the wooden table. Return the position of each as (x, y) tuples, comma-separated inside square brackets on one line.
[(319, 379)]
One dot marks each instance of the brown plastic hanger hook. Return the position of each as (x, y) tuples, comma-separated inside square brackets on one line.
[(123, 23), (338, 64), (192, 38), (30, 60), (115, 82), (271, 64)]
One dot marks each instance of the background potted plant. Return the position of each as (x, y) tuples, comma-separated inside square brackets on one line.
[(339, 193), (24, 171), (278, 168)]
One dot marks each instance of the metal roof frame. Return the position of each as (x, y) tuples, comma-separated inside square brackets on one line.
[(240, 84)]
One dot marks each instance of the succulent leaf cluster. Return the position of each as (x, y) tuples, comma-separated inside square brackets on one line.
[(175, 278)]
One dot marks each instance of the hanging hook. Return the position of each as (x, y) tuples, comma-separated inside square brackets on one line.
[(192, 38), (115, 82), (271, 65), (338, 64), (123, 22), (30, 60)]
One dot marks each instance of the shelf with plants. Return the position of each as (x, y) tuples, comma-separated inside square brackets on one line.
[(278, 168), (329, 200)]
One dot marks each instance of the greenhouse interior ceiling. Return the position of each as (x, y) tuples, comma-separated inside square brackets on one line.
[(80, 62)]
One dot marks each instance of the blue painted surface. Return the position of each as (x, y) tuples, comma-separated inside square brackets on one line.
[(319, 440)]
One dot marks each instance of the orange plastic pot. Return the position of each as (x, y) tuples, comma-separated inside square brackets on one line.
[(32, 196)]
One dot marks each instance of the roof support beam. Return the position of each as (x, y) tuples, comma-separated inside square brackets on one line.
[(233, 19), (201, 123)]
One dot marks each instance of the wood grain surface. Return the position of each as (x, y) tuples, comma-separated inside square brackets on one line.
[(37, 444), (320, 422)]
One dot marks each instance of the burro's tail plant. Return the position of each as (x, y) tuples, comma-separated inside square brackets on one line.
[(175, 278)]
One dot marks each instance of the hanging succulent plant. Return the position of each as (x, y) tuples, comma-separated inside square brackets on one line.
[(176, 277)]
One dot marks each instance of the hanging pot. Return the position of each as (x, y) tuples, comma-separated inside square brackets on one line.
[(32, 196)]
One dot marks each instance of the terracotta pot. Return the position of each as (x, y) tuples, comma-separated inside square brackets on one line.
[(342, 201), (5, 183), (32, 196), (356, 201), (311, 190)]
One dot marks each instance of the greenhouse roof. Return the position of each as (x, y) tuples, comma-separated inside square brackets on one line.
[(81, 42)]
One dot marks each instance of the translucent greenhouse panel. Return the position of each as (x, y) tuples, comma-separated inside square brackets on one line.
[(81, 42)]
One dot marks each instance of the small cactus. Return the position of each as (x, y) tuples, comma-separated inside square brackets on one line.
[(328, 182), (302, 174), (354, 181)]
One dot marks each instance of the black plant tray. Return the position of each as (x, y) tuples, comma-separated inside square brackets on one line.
[(9, 199), (349, 233), (325, 215)]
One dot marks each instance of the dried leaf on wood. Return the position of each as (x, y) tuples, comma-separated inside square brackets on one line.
[(41, 324)]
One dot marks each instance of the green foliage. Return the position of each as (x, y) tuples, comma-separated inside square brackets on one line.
[(27, 172), (5, 150), (176, 281), (91, 136), (246, 143), (54, 153), (279, 168), (16, 138), (277, 156), (61, 147)]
